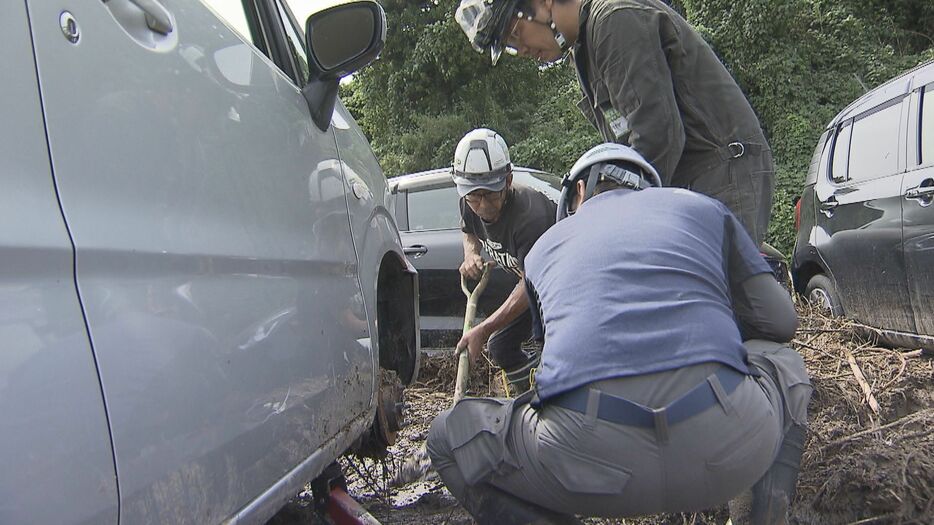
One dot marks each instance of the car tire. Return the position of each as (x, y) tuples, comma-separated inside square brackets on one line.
[(822, 293)]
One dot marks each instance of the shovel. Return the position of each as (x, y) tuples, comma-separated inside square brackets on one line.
[(417, 465), (463, 360)]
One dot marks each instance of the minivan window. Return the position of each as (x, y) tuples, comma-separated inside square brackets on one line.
[(233, 12), (296, 44), (927, 125), (841, 147), (434, 209), (874, 144), (814, 166)]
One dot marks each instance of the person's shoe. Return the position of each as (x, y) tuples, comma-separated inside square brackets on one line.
[(741, 509)]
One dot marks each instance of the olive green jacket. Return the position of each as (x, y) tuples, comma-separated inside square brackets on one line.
[(651, 81)]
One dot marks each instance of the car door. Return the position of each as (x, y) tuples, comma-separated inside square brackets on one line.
[(859, 217), (213, 249), (56, 463), (918, 225), (433, 240)]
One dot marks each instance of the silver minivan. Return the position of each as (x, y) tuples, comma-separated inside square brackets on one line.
[(203, 298)]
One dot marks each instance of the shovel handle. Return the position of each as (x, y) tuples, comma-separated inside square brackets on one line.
[(463, 360)]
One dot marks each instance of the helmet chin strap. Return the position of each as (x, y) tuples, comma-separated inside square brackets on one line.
[(558, 35)]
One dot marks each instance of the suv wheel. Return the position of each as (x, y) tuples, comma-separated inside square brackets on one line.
[(821, 293)]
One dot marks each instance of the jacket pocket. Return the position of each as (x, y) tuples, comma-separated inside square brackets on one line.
[(578, 472)]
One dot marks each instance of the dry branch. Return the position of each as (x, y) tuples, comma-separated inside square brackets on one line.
[(861, 379)]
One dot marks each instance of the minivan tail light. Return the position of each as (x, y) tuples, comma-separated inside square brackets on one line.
[(797, 214)]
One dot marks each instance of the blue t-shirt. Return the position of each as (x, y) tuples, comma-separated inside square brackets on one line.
[(638, 282)]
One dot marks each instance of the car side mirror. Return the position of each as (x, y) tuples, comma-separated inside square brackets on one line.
[(340, 40)]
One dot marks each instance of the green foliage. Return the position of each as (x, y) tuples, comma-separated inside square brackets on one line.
[(799, 62)]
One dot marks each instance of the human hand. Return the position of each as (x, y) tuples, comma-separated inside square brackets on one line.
[(472, 342), (472, 267)]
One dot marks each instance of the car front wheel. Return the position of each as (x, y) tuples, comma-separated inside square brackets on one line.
[(822, 293)]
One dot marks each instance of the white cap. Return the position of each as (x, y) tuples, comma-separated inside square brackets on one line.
[(481, 162)]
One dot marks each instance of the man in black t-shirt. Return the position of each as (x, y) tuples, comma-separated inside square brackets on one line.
[(506, 219)]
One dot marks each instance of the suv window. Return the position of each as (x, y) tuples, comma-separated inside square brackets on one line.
[(874, 143), (841, 148), (927, 125), (434, 209)]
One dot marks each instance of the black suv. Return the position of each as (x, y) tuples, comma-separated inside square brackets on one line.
[(865, 241)]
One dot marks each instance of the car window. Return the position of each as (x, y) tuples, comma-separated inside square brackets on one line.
[(434, 209), (296, 41), (841, 147), (874, 144), (814, 166), (927, 125), (234, 13)]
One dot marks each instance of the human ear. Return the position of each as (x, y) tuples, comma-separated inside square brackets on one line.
[(579, 197)]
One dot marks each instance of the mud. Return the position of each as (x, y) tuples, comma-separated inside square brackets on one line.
[(860, 465)]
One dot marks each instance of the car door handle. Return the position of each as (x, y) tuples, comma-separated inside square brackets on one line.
[(828, 206), (923, 192), (416, 250), (157, 18)]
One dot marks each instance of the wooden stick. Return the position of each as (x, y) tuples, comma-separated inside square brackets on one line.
[(463, 359), (861, 379)]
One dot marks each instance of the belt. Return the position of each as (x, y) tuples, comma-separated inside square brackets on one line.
[(618, 410)]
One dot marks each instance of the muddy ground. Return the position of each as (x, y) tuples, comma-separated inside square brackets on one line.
[(869, 456)]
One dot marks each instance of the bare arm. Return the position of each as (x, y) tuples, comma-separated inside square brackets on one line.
[(472, 267), (512, 307)]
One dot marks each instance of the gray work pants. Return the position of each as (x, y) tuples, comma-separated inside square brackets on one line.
[(574, 463)]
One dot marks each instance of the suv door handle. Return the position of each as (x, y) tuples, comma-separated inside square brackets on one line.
[(416, 250), (923, 192), (828, 205)]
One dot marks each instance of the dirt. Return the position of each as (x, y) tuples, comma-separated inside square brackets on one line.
[(861, 465)]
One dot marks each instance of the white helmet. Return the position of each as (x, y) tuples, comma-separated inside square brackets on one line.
[(481, 162), (608, 161), (485, 23)]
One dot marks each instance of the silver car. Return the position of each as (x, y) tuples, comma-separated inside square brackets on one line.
[(203, 298), (426, 208)]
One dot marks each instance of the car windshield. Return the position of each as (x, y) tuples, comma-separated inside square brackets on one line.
[(546, 183)]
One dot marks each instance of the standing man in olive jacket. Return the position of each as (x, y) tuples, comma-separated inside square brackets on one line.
[(650, 81)]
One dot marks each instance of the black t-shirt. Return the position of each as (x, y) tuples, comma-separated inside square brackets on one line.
[(527, 213)]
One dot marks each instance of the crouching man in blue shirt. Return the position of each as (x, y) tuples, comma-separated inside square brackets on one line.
[(647, 399)]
